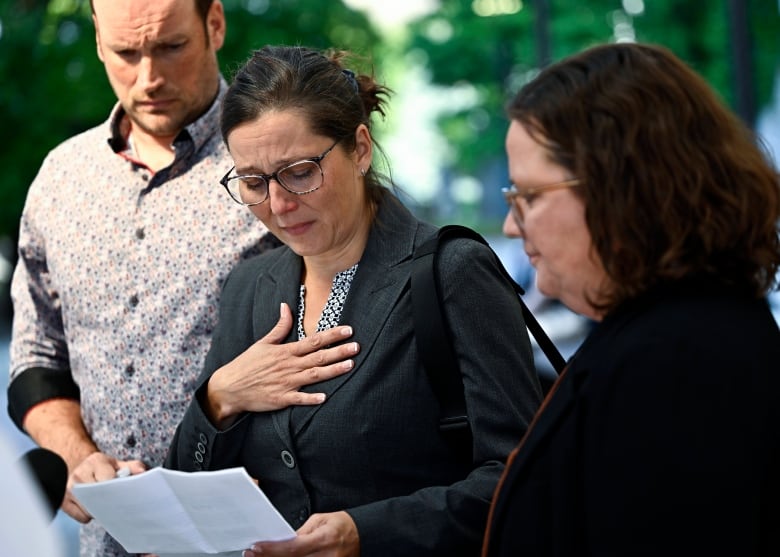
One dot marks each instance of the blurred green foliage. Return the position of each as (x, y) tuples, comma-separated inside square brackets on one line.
[(499, 52)]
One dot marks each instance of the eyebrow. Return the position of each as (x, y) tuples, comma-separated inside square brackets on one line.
[(120, 45), (255, 170), (281, 164)]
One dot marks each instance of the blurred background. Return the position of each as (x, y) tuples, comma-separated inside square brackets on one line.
[(452, 65)]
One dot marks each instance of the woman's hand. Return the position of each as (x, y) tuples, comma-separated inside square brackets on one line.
[(323, 535), (268, 375)]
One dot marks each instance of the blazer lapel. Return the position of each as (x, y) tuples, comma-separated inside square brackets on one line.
[(381, 279), (280, 283)]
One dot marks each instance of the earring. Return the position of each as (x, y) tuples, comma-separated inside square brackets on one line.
[(363, 172)]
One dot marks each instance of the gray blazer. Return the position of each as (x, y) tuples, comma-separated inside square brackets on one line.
[(373, 447)]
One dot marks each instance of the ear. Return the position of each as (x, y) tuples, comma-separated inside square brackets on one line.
[(216, 25), (97, 39), (364, 147)]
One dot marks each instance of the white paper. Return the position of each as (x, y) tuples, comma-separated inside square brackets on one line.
[(171, 512)]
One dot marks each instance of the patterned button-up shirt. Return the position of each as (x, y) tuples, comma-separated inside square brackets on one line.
[(116, 289)]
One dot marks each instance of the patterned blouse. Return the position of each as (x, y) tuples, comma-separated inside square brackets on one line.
[(332, 312), (116, 289)]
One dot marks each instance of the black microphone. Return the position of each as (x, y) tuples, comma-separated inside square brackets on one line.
[(50, 473)]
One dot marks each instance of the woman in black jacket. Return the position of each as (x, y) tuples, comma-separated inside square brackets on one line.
[(647, 206)]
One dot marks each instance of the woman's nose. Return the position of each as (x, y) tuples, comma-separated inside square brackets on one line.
[(281, 200), (512, 227)]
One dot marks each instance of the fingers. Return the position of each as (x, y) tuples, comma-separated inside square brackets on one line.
[(132, 466), (327, 363), (322, 370), (268, 375), (71, 507), (323, 534), (282, 327), (95, 468), (335, 360), (323, 338), (314, 342), (304, 362)]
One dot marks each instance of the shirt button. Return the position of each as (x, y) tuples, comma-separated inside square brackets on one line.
[(133, 300), (130, 370), (288, 459), (139, 233), (130, 441), (303, 515)]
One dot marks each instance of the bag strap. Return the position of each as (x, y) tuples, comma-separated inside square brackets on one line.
[(433, 344), (431, 332)]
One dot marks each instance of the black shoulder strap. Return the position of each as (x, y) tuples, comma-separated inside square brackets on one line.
[(431, 332)]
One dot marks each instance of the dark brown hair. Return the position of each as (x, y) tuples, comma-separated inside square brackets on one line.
[(333, 99), (674, 184)]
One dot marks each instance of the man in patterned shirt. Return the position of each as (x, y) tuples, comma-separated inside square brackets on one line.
[(125, 240)]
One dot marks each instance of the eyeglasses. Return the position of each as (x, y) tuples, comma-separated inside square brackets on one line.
[(299, 178), (511, 193)]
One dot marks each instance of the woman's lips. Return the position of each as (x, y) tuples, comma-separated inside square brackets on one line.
[(297, 229)]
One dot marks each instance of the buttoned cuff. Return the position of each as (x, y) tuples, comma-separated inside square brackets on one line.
[(36, 385)]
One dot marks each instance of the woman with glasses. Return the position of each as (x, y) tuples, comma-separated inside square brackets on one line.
[(357, 464), (647, 206)]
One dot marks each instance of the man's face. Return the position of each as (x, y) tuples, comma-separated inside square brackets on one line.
[(160, 62)]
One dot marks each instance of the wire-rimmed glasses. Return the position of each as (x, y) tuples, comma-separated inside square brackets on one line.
[(511, 193), (300, 177)]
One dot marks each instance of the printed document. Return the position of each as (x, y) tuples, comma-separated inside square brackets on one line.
[(170, 512)]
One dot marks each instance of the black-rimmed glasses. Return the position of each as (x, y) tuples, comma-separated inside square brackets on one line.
[(300, 177)]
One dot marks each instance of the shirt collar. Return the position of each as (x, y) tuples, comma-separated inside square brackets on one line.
[(199, 131)]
